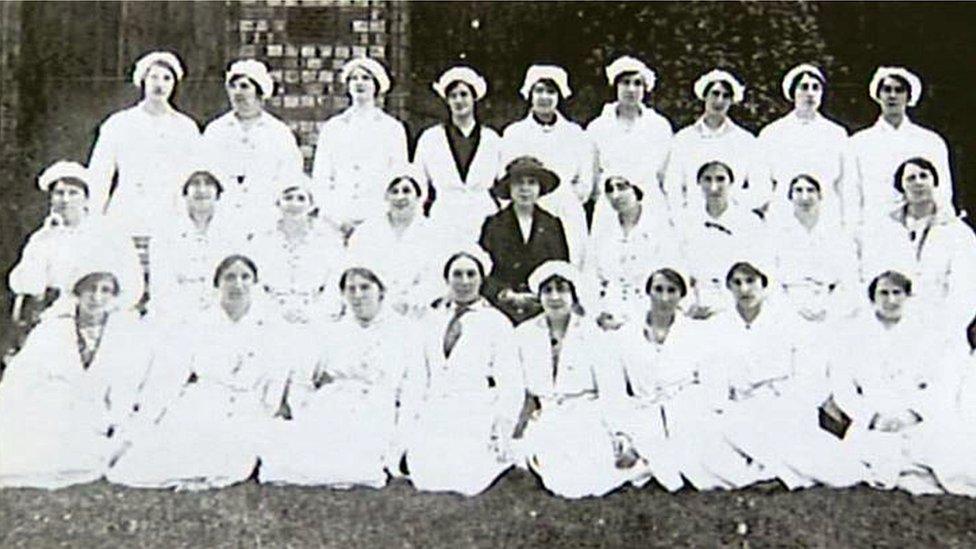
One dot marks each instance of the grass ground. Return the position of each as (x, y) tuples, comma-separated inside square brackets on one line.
[(514, 512)]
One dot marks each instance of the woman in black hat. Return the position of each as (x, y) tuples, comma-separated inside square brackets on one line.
[(521, 237)]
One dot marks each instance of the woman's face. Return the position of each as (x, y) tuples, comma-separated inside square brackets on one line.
[(235, 284), (526, 189), (361, 84), (201, 191), (718, 99), (889, 300), (630, 89), (464, 279), (159, 83), (544, 98), (556, 297), (460, 99), (919, 184), (67, 199), (96, 298), (363, 296), (747, 289), (295, 202), (402, 196), (621, 194), (715, 183), (665, 294), (805, 196), (244, 96), (808, 94), (893, 95)]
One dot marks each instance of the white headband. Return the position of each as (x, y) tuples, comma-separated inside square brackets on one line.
[(795, 73), (914, 83), (718, 75), (466, 75), (256, 71), (146, 61), (371, 66), (546, 72), (631, 64), (60, 170)]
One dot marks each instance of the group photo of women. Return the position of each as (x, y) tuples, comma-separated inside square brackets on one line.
[(604, 303)]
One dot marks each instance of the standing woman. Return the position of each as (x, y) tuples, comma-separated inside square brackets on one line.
[(879, 149), (472, 387), (561, 146), (714, 136), (253, 150), (631, 139), (804, 141), (358, 148), (460, 158), (68, 396), (142, 146), (521, 237)]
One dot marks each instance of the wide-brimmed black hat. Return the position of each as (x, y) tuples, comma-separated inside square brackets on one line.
[(527, 165)]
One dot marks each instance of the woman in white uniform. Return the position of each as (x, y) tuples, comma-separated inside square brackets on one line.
[(213, 404), (566, 440), (804, 141), (253, 151), (301, 257), (561, 146), (67, 397), (472, 387), (143, 145), (71, 234), (344, 428), (714, 136), (358, 148), (631, 139), (402, 244), (460, 158), (879, 149)]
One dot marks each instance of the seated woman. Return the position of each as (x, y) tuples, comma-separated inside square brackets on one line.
[(300, 258), (620, 249), (712, 236), (565, 439), (928, 243), (70, 234), (67, 397), (520, 238), (343, 429), (215, 401), (816, 258), (471, 387), (401, 243)]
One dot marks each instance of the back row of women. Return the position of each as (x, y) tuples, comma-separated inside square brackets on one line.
[(327, 327)]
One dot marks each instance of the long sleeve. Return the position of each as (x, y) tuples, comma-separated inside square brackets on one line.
[(103, 162), (29, 275)]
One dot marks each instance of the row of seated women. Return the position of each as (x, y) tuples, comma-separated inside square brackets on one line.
[(884, 397)]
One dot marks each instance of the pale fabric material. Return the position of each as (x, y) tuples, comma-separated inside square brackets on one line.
[(465, 406), (461, 206), (344, 430), (790, 146), (207, 433), (879, 149), (55, 416), (253, 162), (638, 152), (952, 441), (60, 170), (146, 151), (55, 256), (355, 156), (563, 148), (696, 145)]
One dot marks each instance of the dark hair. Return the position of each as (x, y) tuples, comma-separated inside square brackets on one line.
[(376, 82), (311, 199), (672, 276), (802, 177), (895, 278), (577, 307), (399, 178), (723, 83), (625, 74), (363, 272), (254, 83), (74, 182), (455, 83), (176, 79), (211, 178), (921, 163), (459, 255), (93, 278), (797, 78), (713, 164), (230, 260), (748, 268), (637, 191), (897, 78), (549, 82)]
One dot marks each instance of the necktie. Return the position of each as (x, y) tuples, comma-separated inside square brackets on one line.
[(453, 332)]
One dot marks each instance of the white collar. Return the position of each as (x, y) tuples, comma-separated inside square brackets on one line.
[(884, 126), (704, 131)]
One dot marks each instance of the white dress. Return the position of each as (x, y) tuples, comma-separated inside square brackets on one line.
[(147, 153), (62, 423), (951, 442), (567, 441), (344, 429), (253, 161), (467, 404), (461, 205), (356, 154)]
